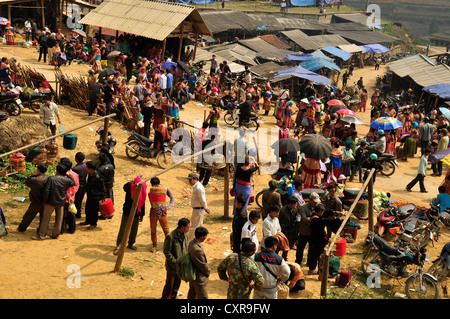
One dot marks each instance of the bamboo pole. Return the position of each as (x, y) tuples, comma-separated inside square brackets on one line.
[(257, 155), (226, 191), (55, 136), (370, 199), (323, 289)]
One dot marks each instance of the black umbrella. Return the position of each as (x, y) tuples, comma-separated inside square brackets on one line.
[(107, 72), (336, 107), (315, 146), (183, 66), (287, 145)]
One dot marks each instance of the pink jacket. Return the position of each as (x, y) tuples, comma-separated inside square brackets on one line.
[(71, 191)]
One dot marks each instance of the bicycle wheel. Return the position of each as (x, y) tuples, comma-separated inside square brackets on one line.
[(439, 269), (428, 289)]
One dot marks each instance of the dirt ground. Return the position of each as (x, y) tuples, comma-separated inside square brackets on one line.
[(42, 269)]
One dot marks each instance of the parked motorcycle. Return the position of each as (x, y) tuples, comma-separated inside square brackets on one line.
[(441, 265), (138, 145), (4, 116), (388, 260), (232, 117), (110, 141), (392, 216), (11, 103), (389, 163), (284, 188)]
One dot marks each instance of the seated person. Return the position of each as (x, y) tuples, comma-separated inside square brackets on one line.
[(161, 136), (442, 200)]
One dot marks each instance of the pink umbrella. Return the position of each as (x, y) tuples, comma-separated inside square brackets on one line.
[(346, 112), (335, 102)]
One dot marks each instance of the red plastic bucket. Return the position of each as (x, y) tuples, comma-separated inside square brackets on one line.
[(341, 247), (107, 207)]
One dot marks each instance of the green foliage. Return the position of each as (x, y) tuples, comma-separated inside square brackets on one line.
[(126, 272)]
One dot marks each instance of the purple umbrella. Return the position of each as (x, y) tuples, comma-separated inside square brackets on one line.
[(436, 157)]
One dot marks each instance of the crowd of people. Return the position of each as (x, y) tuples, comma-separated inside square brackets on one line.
[(259, 261)]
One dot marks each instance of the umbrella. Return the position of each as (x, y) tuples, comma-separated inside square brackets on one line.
[(386, 123), (315, 146), (4, 21), (113, 54), (436, 157), (335, 102), (345, 112), (80, 32), (183, 66), (107, 72), (446, 160), (352, 119), (168, 65), (446, 112), (287, 145)]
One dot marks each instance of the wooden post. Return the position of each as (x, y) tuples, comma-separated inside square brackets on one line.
[(180, 44), (9, 13), (126, 233), (226, 191), (324, 279), (43, 14), (370, 199), (163, 54), (61, 6), (257, 155), (105, 132), (195, 47)]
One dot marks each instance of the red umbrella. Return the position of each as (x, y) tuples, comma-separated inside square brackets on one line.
[(346, 112), (335, 102)]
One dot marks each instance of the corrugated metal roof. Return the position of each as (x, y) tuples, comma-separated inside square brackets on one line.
[(267, 69), (148, 18), (275, 41), (257, 45), (221, 21), (205, 55), (327, 40), (346, 26), (421, 69), (366, 37), (301, 39), (351, 48)]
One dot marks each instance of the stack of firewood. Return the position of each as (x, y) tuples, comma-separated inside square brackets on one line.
[(28, 77), (74, 90)]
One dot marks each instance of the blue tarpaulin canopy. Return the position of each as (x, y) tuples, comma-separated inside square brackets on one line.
[(303, 73), (308, 56), (443, 90), (303, 3), (374, 48), (318, 63), (344, 55)]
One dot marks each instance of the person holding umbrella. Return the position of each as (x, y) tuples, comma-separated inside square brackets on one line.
[(315, 147)]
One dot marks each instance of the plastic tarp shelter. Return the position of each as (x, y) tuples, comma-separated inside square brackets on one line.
[(374, 48), (303, 3), (344, 55), (318, 63), (308, 56), (443, 90), (302, 73)]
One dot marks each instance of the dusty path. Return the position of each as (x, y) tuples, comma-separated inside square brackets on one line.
[(40, 269)]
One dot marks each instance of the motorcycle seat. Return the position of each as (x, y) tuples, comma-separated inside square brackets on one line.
[(145, 140), (385, 247), (352, 193), (406, 210), (385, 155)]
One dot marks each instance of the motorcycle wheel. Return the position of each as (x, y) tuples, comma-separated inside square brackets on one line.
[(13, 109), (439, 269), (164, 159), (228, 118), (427, 290), (135, 146), (371, 257), (253, 125), (388, 168)]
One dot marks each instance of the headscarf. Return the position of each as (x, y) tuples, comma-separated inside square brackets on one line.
[(143, 195)]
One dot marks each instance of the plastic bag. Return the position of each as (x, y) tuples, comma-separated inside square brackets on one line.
[(61, 128), (72, 208)]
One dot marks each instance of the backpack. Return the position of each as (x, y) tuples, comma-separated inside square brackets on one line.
[(185, 268), (43, 40)]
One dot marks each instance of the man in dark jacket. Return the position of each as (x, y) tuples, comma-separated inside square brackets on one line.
[(129, 67), (246, 109), (80, 169), (197, 287), (43, 48), (106, 172), (175, 245), (288, 223), (55, 194), (36, 183), (239, 220), (95, 191)]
